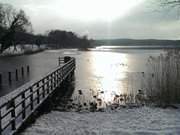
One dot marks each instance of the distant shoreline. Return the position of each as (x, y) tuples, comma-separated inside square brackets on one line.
[(136, 42), (137, 47)]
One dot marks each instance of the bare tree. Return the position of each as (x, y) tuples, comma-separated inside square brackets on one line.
[(1, 15), (13, 21)]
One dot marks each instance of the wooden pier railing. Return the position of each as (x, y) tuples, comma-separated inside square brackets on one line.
[(18, 106)]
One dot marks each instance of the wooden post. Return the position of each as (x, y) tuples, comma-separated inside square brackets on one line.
[(13, 115), (61, 61), (22, 71), (38, 94), (48, 84), (0, 123), (55, 79), (31, 98), (23, 106), (43, 88), (59, 76), (28, 70), (16, 74), (51, 80), (9, 77), (0, 79)]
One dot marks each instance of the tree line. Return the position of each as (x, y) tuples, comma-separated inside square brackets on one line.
[(135, 42), (16, 29)]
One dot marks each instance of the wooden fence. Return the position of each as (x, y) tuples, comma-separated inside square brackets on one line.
[(18, 106)]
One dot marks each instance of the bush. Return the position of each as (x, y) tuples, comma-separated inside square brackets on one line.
[(163, 79)]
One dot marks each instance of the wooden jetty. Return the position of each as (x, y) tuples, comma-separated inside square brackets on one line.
[(19, 105)]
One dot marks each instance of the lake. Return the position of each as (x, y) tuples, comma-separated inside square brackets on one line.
[(108, 70)]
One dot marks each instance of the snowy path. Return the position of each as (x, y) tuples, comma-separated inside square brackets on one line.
[(124, 121)]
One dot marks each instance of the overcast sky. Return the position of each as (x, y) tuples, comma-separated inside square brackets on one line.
[(101, 19)]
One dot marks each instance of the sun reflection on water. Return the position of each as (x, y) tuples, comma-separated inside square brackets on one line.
[(110, 69)]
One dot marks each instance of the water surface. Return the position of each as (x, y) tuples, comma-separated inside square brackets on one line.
[(112, 70)]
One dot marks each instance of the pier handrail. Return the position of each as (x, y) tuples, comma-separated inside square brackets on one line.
[(16, 107)]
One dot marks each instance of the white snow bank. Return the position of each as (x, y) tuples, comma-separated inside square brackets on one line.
[(143, 120), (11, 50), (21, 49)]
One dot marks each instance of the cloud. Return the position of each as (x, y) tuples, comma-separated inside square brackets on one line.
[(141, 22)]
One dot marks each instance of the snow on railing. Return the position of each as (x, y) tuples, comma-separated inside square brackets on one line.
[(17, 106)]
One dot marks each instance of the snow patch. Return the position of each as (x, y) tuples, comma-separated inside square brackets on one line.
[(143, 120), (21, 49)]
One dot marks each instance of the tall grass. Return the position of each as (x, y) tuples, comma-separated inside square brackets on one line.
[(163, 79)]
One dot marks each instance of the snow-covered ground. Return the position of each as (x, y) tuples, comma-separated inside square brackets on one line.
[(21, 49), (142, 120)]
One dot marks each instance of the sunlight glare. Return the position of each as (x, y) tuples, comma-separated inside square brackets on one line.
[(111, 69)]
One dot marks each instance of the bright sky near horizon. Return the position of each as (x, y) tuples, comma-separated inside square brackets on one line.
[(93, 10), (101, 18)]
